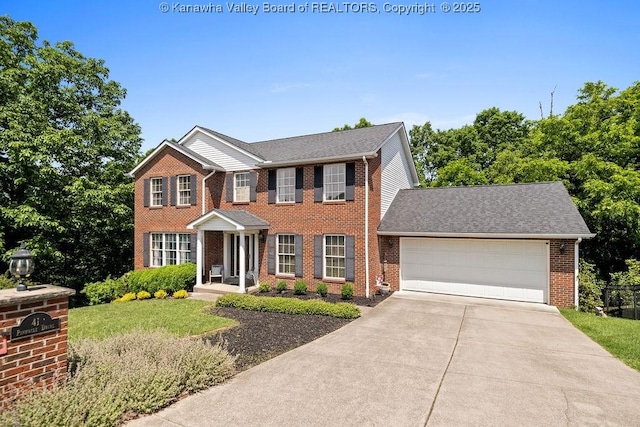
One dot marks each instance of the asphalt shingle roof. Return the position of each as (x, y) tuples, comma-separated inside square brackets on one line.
[(537, 208), (243, 217), (203, 160)]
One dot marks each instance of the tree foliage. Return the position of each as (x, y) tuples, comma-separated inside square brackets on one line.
[(363, 123), (594, 148), (65, 145)]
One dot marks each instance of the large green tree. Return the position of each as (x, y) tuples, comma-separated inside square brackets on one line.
[(65, 145)]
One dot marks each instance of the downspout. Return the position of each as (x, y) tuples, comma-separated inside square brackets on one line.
[(204, 211), (204, 207), (576, 266), (366, 225)]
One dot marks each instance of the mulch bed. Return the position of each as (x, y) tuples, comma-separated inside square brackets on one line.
[(263, 335)]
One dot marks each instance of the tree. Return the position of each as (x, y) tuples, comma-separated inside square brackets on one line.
[(363, 123), (65, 145)]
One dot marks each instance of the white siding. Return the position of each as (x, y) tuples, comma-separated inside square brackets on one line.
[(396, 174), (220, 153)]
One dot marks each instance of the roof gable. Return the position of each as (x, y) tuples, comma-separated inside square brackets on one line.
[(542, 210), (231, 154), (206, 163)]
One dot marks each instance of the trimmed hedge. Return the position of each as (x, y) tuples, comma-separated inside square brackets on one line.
[(289, 306), (104, 292)]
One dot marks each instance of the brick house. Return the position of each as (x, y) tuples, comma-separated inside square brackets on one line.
[(339, 207)]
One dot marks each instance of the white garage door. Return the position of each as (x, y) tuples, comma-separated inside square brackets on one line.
[(503, 269)]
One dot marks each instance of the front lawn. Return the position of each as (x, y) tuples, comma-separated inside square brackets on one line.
[(620, 337), (179, 317)]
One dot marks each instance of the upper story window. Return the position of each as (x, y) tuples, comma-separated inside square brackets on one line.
[(334, 182), (286, 185), (184, 190), (241, 187), (156, 191)]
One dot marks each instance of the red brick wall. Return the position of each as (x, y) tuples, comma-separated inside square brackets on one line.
[(37, 361), (562, 273), (561, 269), (307, 218)]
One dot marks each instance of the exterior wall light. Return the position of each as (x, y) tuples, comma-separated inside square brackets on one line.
[(21, 266)]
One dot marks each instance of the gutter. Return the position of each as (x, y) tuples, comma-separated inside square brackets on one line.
[(270, 164), (485, 235), (366, 224)]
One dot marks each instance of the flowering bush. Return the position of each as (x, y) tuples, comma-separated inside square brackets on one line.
[(180, 294)]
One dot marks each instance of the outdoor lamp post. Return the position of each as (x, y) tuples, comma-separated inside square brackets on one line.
[(21, 266)]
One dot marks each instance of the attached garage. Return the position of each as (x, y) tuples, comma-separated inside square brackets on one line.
[(513, 242), (503, 269)]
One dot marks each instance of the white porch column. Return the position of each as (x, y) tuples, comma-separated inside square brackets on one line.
[(199, 257), (256, 256), (242, 261), (225, 256)]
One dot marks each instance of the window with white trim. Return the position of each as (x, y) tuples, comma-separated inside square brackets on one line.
[(286, 252), (170, 248), (334, 182), (184, 190), (334, 256), (286, 185), (156, 191), (241, 189)]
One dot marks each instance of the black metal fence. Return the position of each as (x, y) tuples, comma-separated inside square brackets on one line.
[(622, 301)]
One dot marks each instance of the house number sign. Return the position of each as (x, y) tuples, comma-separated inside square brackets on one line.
[(35, 324)]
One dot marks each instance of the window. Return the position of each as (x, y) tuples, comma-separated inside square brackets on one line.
[(286, 254), (334, 257), (334, 182), (241, 187), (184, 190), (286, 186), (170, 249), (156, 191)]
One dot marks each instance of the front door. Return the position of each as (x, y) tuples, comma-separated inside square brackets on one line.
[(234, 253)]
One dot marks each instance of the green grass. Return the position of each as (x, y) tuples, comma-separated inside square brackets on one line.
[(178, 317), (620, 337)]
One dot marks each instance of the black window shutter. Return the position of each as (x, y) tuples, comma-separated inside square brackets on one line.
[(350, 181), (271, 185), (194, 247), (165, 190), (229, 187), (174, 190), (298, 254), (193, 187), (147, 192), (317, 257), (299, 184), (271, 254), (318, 179), (349, 262), (145, 249), (253, 186)]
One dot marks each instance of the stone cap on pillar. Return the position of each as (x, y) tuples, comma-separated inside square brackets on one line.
[(34, 293)]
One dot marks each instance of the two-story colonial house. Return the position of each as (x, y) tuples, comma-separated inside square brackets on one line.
[(340, 207)]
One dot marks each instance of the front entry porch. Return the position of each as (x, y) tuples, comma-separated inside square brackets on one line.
[(240, 248)]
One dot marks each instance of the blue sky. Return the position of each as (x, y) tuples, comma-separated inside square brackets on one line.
[(271, 75)]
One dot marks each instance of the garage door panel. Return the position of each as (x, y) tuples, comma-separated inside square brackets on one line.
[(505, 269)]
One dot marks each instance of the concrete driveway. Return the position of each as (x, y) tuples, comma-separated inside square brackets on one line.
[(426, 359)]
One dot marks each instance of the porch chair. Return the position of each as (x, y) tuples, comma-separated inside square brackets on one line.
[(216, 271)]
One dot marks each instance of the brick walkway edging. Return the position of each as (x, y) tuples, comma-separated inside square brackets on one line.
[(39, 360)]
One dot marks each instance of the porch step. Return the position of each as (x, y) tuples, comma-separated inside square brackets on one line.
[(221, 289)]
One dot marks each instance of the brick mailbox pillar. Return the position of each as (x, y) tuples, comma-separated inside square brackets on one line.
[(33, 339)]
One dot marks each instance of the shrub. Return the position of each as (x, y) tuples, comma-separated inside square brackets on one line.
[(347, 291), (135, 373), (103, 292), (300, 288), (143, 295), (281, 286), (161, 294), (6, 282), (130, 296), (321, 288), (264, 287), (181, 294), (589, 288), (289, 306), (171, 278)]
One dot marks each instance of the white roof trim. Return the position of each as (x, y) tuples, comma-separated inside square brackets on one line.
[(176, 147), (213, 214), (486, 235), (332, 159), (217, 138), (407, 151)]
